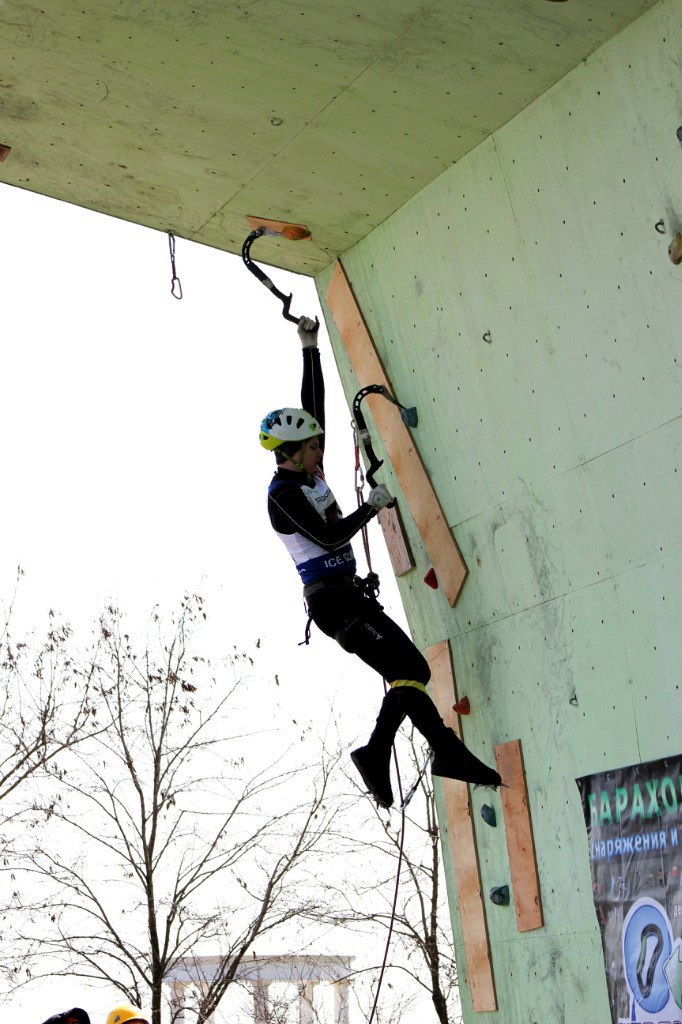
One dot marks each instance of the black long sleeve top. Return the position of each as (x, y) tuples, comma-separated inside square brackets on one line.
[(302, 508)]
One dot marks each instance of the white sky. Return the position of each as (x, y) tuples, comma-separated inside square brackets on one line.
[(129, 455)]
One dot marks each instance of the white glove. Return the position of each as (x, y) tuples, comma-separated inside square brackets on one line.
[(379, 497), (307, 331)]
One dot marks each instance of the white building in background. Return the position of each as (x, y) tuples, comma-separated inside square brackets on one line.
[(319, 986)]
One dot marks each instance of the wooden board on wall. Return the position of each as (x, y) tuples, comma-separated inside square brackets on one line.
[(446, 557), (462, 840), (396, 540), (519, 832)]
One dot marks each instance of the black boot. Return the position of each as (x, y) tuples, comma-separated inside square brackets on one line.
[(374, 760), (451, 758)]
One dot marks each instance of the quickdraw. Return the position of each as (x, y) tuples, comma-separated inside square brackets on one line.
[(361, 435), (408, 416), (176, 287), (263, 277)]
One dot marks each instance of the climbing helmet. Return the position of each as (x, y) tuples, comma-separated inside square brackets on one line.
[(283, 425)]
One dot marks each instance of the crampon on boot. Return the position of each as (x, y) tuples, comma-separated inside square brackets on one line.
[(452, 760), (374, 767)]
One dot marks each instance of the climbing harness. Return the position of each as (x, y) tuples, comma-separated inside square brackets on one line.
[(368, 585), (263, 277), (175, 280)]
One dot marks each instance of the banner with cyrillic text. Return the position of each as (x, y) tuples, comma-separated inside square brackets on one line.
[(634, 824)]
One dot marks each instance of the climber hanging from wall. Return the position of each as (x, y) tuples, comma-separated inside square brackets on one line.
[(305, 515)]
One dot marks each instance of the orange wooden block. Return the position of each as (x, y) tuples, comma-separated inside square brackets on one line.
[(519, 831), (293, 232), (406, 462), (462, 841)]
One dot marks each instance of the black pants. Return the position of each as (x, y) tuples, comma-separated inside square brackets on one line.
[(357, 622)]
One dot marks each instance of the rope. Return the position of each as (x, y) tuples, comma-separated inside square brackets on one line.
[(359, 487), (404, 799), (396, 889)]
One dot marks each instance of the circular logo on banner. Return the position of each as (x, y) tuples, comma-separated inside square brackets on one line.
[(647, 944)]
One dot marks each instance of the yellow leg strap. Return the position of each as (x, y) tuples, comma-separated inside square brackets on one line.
[(408, 682)]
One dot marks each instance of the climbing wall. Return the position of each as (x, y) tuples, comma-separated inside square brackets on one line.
[(526, 304)]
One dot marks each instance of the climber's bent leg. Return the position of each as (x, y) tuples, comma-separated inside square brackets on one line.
[(451, 758)]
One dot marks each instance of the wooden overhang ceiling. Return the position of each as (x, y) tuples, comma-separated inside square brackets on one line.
[(331, 113)]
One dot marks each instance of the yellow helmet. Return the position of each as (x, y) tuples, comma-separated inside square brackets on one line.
[(125, 1013)]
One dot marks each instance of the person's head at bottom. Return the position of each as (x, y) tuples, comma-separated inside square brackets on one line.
[(126, 1013)]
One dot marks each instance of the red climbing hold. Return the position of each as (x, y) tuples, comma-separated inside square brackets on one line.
[(431, 580), (462, 707)]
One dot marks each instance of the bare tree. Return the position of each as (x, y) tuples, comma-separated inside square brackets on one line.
[(170, 840), (47, 706), (422, 943)]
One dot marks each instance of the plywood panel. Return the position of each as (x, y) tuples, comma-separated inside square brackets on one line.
[(396, 540), (555, 448), (519, 832), (462, 840), (396, 94), (407, 464)]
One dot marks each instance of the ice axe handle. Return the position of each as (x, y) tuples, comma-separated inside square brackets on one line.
[(286, 304)]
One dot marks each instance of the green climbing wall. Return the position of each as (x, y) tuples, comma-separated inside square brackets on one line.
[(525, 302)]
